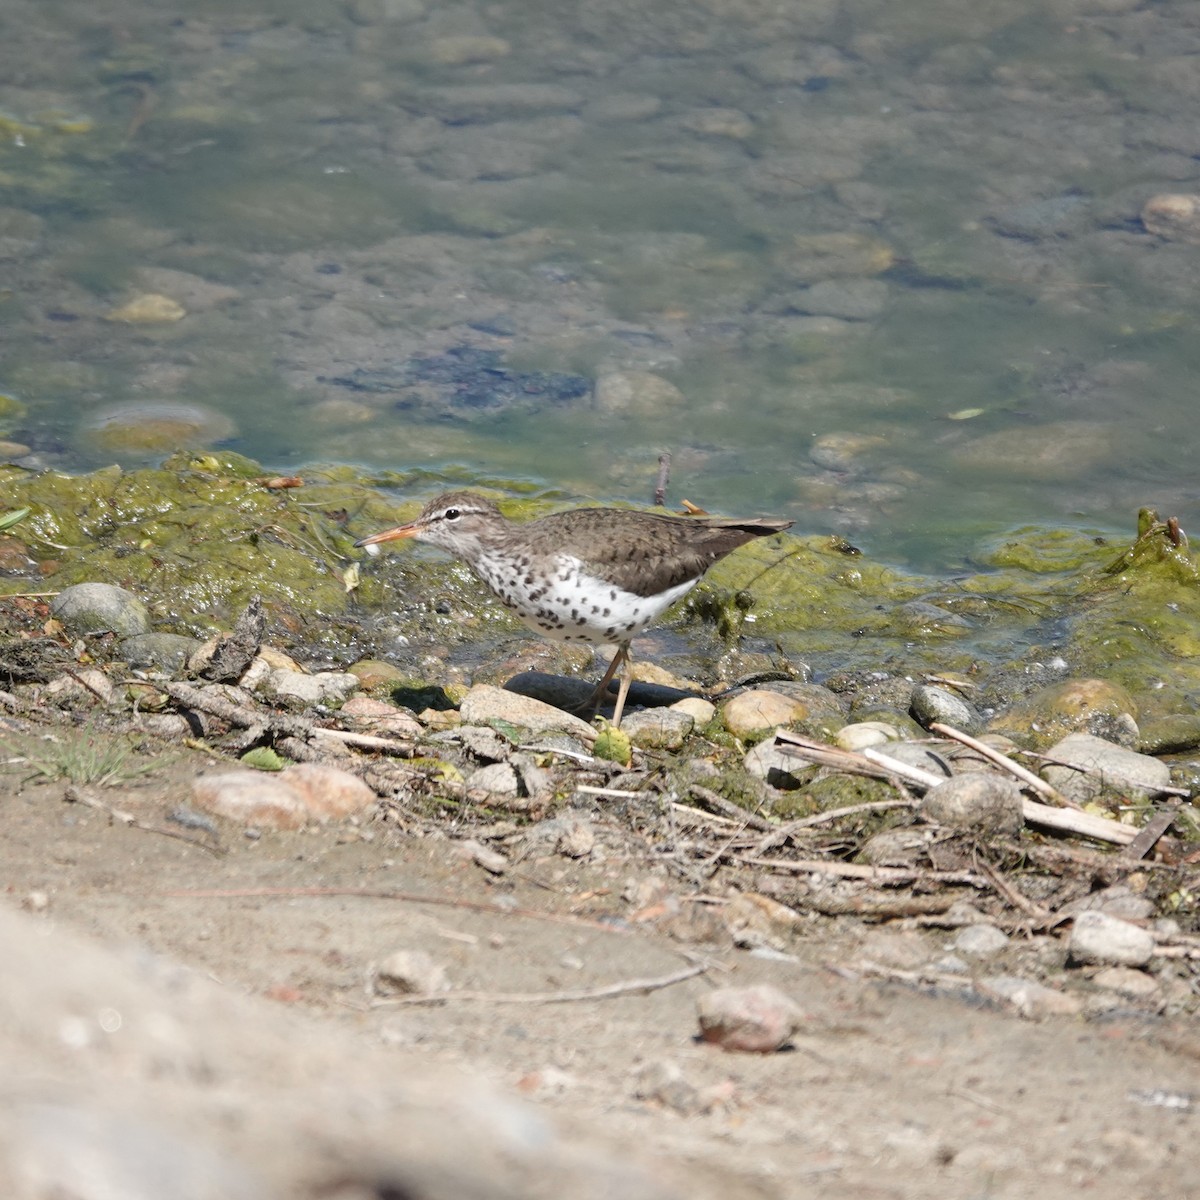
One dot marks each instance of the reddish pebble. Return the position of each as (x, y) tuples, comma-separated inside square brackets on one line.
[(755, 1020)]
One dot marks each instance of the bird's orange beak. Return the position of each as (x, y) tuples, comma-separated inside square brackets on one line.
[(389, 535)]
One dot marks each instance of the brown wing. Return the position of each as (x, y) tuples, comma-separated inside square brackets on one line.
[(646, 553)]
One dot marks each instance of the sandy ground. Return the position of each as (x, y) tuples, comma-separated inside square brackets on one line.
[(888, 1092)]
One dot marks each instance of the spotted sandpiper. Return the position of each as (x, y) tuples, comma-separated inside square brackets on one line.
[(592, 575)]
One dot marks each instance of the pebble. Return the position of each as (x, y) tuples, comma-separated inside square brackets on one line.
[(381, 718), (100, 608), (1097, 937), (718, 122), (700, 710), (1074, 705), (637, 393), (288, 800), (859, 735), (932, 704), (498, 778), (979, 802), (167, 651), (658, 728), (779, 768), (758, 712), (460, 49), (155, 428), (485, 703), (1029, 998), (325, 687), (1173, 216), (1096, 766), (1127, 981), (409, 973), (980, 941), (757, 1020), (87, 681), (150, 308)]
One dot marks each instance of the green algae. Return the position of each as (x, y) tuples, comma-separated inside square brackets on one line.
[(200, 535)]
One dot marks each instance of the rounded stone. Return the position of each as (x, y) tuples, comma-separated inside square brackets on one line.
[(100, 608), (638, 393), (1173, 216), (756, 1020), (939, 705), (1098, 938), (982, 803), (155, 428), (166, 651), (756, 712), (980, 941)]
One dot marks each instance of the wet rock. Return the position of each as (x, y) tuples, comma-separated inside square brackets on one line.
[(100, 608), (1029, 998), (1095, 768), (939, 705), (150, 308), (193, 293), (756, 1020), (410, 973), (1097, 937), (848, 299), (759, 711), (983, 804), (718, 122), (842, 450), (637, 393), (466, 383), (289, 800), (375, 673), (1173, 216), (658, 728), (484, 704), (1051, 451), (168, 652), (456, 50), (155, 428), (980, 941), (1174, 734), (1073, 705), (809, 257)]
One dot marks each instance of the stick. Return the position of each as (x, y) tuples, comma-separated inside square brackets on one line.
[(732, 810), (1001, 760), (1067, 820), (1148, 837), (606, 992), (844, 870), (664, 475), (74, 794)]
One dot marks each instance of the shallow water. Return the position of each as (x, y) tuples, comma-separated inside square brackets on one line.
[(888, 258)]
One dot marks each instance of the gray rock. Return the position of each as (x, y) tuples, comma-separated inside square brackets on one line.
[(982, 803), (980, 941), (1098, 938), (936, 704), (850, 299), (1029, 998), (1096, 766), (166, 651), (658, 728), (326, 687), (498, 778), (484, 703), (779, 768), (100, 608), (911, 754)]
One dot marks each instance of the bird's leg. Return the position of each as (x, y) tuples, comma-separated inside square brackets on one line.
[(623, 687), (597, 698)]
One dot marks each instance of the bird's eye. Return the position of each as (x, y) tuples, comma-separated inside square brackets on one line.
[(452, 514)]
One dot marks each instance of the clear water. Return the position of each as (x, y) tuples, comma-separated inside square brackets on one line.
[(991, 337)]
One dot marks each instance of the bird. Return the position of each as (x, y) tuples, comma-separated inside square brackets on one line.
[(595, 575)]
